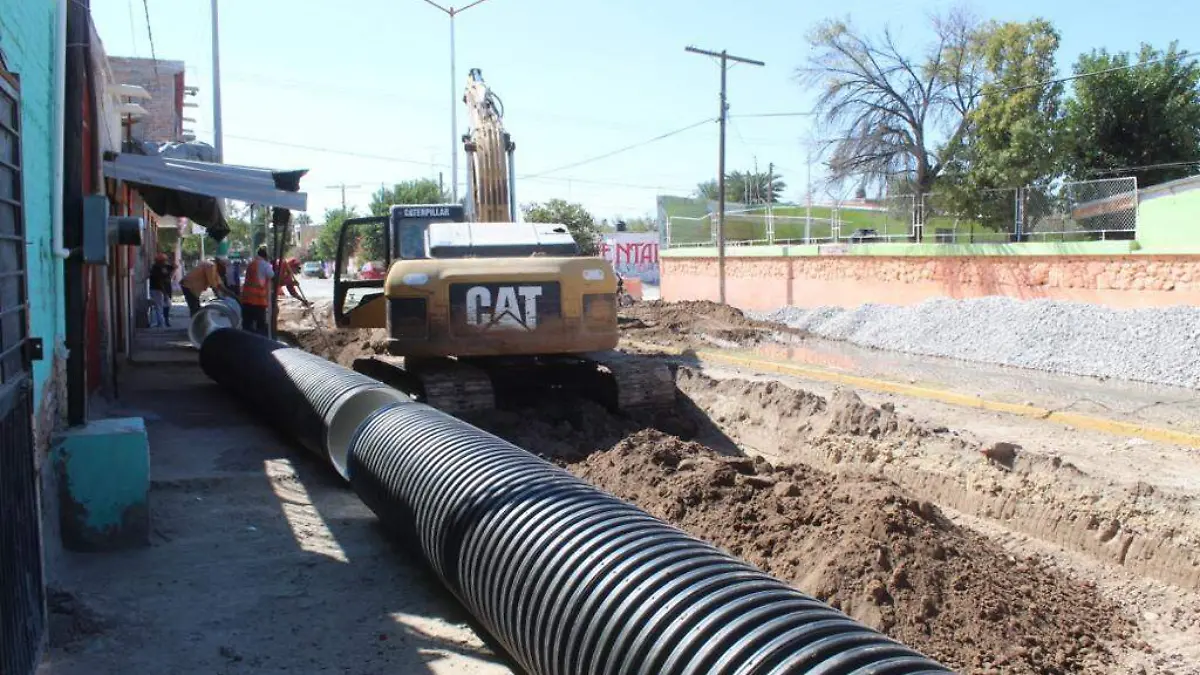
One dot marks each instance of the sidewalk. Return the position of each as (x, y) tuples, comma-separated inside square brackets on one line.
[(262, 560)]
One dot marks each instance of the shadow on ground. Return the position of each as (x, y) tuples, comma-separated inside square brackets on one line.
[(262, 561)]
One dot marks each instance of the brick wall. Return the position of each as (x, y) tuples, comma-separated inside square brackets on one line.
[(767, 283), (164, 82)]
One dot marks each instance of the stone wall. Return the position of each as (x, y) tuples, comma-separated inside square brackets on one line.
[(848, 281)]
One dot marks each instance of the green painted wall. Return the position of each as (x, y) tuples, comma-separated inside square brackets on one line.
[(27, 29), (1170, 223)]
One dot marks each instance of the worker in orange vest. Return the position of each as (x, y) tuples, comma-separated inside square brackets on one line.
[(256, 294)]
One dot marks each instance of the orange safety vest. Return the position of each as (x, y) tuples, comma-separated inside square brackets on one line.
[(254, 290)]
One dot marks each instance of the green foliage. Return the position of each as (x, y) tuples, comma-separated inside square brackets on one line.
[(1012, 136), (418, 191), (579, 222), (745, 187), (325, 246), (1143, 116)]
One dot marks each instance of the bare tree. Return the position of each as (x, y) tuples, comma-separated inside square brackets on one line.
[(894, 115)]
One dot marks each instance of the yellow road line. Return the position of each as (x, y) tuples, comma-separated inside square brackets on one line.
[(1077, 420)]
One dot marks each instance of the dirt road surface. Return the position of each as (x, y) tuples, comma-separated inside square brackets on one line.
[(262, 561)]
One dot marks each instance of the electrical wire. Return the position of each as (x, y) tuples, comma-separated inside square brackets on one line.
[(620, 150), (150, 34), (1182, 56)]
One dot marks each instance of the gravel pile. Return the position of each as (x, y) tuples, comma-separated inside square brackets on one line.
[(1147, 345)]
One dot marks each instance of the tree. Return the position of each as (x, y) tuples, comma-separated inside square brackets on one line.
[(418, 191), (894, 113), (370, 241), (1012, 135), (325, 246), (745, 187), (708, 190), (1142, 121), (579, 222)]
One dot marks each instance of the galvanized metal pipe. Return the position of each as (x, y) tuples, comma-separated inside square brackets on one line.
[(569, 579)]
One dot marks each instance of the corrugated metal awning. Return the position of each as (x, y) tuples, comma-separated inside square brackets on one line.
[(222, 181)]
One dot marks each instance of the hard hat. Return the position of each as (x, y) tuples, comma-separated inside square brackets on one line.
[(161, 257)]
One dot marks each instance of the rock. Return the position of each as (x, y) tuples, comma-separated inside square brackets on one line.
[(1002, 453), (787, 489)]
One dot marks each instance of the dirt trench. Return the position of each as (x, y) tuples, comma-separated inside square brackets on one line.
[(853, 539), (858, 542)]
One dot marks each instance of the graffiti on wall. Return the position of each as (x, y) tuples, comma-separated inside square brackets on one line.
[(632, 254)]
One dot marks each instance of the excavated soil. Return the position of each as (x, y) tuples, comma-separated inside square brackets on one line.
[(313, 330), (859, 543), (847, 507), (690, 322)]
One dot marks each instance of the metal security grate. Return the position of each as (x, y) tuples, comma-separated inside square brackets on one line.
[(22, 594)]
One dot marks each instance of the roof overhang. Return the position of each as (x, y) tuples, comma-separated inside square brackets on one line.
[(222, 181)]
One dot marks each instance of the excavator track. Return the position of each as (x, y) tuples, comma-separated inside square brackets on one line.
[(619, 381), (639, 383), (449, 385)]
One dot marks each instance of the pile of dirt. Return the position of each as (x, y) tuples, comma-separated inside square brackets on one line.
[(339, 346), (861, 545), (696, 323)]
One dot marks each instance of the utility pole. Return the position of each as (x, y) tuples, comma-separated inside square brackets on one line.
[(342, 187), (770, 200), (218, 140), (725, 59)]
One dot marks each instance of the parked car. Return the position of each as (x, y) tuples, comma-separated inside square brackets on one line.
[(863, 234), (313, 269), (372, 270)]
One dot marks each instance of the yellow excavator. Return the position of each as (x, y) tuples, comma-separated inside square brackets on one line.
[(480, 307)]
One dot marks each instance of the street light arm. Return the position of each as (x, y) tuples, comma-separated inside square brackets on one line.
[(463, 9), (448, 11)]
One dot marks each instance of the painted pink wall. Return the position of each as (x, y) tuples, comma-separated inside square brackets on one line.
[(767, 283)]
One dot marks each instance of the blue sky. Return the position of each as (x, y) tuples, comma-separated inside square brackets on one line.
[(369, 79)]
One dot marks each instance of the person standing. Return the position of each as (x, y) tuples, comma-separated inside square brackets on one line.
[(160, 286), (256, 295), (233, 275), (205, 275)]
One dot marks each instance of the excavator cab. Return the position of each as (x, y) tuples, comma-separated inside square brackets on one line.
[(366, 249)]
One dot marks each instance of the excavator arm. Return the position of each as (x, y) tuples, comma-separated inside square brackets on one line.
[(489, 152)]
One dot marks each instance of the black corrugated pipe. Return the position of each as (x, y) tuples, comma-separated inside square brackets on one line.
[(571, 580), (318, 403)]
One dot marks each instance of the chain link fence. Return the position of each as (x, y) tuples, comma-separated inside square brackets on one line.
[(1095, 210)]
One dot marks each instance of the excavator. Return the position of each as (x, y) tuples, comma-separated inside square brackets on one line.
[(480, 307)]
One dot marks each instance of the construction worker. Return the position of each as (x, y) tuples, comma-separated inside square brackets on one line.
[(207, 274), (287, 279), (256, 294)]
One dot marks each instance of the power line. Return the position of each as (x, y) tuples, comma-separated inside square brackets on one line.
[(1144, 167), (619, 150), (1184, 55), (776, 114), (150, 34)]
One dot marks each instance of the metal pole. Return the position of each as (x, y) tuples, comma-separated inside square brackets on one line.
[(808, 204), (453, 116), (721, 182), (725, 58), (218, 140)]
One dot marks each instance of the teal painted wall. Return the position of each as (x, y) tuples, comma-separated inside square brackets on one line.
[(103, 471), (27, 31)]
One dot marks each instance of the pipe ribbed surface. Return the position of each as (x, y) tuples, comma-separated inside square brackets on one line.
[(295, 391), (220, 313), (571, 580)]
